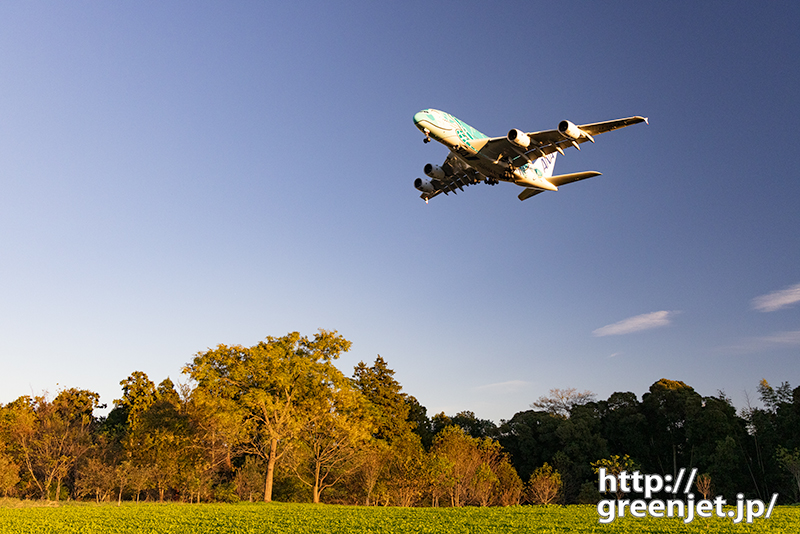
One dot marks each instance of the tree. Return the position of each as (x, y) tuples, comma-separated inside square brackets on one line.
[(561, 401), (52, 436), (96, 477), (128, 438), (544, 485), (75, 407), (509, 485), (581, 442), (409, 471), (459, 449), (419, 420), (773, 398), (165, 442), (716, 436), (790, 460), (471, 463), (615, 465), (771, 427), (373, 458), (531, 438), (703, 485), (379, 387), (138, 393), (266, 388), (624, 426), (9, 473), (477, 428), (335, 426), (669, 407)]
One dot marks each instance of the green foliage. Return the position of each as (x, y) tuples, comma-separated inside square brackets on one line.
[(790, 460), (391, 411), (467, 471), (278, 418), (544, 485), (615, 465), (275, 392), (310, 519), (50, 438), (9, 473)]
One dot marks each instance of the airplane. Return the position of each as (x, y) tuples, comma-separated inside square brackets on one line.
[(525, 159)]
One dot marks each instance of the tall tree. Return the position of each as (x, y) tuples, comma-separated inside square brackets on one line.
[(531, 438), (379, 387), (471, 463), (561, 401), (409, 470), (52, 436), (266, 388), (624, 426), (477, 428), (336, 424), (669, 406), (9, 471), (544, 485), (773, 426), (420, 422)]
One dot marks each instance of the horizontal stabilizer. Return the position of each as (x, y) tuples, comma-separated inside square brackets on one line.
[(563, 179), (529, 192), (557, 181)]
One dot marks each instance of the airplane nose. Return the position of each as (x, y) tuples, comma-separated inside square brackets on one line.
[(423, 122)]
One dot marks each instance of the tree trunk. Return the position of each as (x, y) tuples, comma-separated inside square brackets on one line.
[(273, 449), (316, 484), (674, 461)]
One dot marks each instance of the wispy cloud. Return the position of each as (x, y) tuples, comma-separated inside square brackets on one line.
[(790, 338), (646, 321), (615, 355), (777, 299), (511, 385)]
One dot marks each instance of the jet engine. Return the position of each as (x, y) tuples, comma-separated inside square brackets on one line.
[(519, 138), (434, 171), (569, 130), (424, 185)]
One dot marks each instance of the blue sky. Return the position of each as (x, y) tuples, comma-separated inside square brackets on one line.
[(175, 176)]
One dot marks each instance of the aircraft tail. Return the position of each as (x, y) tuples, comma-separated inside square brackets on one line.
[(550, 165)]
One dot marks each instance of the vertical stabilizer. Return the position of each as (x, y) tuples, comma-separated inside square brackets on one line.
[(548, 164)]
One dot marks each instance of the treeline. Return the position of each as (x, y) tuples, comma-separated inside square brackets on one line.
[(279, 421)]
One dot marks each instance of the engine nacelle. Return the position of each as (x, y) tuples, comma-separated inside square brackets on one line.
[(519, 138), (424, 185), (434, 171), (569, 130)]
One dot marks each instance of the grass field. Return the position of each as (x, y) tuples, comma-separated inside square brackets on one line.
[(26, 517)]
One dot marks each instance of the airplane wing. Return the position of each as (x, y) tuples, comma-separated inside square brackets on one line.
[(558, 181), (563, 179), (549, 141), (456, 176)]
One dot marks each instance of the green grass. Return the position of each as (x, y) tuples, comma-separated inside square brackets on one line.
[(26, 517)]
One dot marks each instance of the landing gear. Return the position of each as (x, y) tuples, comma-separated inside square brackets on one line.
[(427, 136)]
